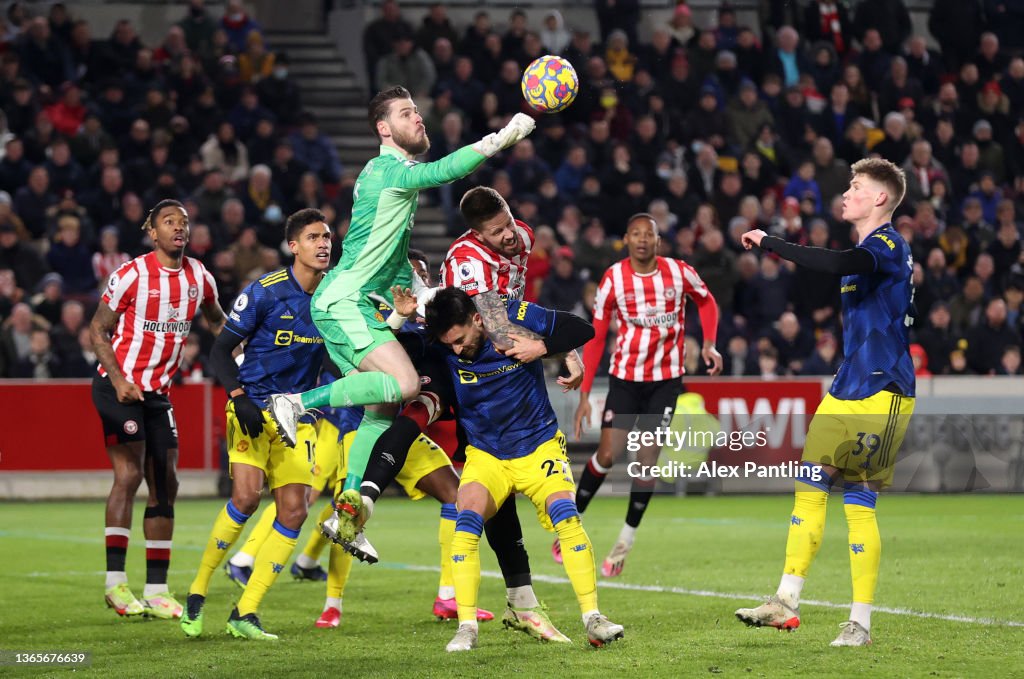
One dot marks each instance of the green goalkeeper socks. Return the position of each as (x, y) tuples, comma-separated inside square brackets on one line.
[(370, 429), (358, 389)]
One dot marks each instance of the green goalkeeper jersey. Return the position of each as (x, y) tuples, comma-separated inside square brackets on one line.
[(375, 253)]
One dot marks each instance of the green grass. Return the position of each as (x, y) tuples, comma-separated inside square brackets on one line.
[(951, 555)]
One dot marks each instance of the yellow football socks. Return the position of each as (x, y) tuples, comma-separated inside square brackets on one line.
[(270, 561), (226, 529)]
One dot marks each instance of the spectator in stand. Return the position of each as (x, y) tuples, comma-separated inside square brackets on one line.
[(897, 86), (256, 62), (104, 204), (442, 55), (238, 25), (786, 59), (120, 50), (198, 28), (573, 171), (435, 25), (937, 338), (72, 258), (922, 171), (987, 342), (379, 38), (681, 26), (172, 50), (1005, 248), (745, 115), (65, 174), (803, 185), (794, 343), (279, 93), (44, 57), (48, 300), (16, 336), (21, 258), (829, 21), (247, 113), (562, 290), (263, 205), (477, 33), (895, 146), (193, 368), (226, 153), (263, 141), (1010, 362), (40, 363), (64, 335), (957, 26), (406, 64), (991, 157), (889, 17), (1014, 296), (32, 201), (554, 36), (717, 267), (315, 150), (826, 358), (137, 143), (109, 256), (309, 192), (9, 219), (68, 113), (989, 196)]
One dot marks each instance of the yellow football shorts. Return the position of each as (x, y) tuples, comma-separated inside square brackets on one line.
[(538, 475), (859, 437), (281, 464), (425, 457), (327, 455)]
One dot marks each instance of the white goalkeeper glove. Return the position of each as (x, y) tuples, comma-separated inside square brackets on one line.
[(517, 129)]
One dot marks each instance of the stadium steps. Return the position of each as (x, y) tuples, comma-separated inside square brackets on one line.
[(331, 90)]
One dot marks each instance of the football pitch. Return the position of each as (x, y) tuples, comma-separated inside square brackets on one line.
[(951, 597)]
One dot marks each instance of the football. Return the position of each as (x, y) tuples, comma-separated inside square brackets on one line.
[(550, 84)]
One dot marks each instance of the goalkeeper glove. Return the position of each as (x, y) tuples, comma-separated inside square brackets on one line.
[(249, 416), (517, 129)]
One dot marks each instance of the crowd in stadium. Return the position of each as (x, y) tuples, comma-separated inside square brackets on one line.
[(710, 128)]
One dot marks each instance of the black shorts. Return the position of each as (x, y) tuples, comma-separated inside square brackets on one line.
[(150, 420), (645, 404), (430, 360)]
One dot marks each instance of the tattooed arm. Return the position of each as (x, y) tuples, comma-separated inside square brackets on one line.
[(494, 314)]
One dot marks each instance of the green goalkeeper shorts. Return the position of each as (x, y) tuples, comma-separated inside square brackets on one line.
[(351, 330)]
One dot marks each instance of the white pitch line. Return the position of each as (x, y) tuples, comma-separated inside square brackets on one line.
[(551, 579), (735, 596)]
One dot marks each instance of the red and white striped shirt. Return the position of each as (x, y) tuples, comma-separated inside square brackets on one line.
[(651, 313), (473, 267), (156, 306)]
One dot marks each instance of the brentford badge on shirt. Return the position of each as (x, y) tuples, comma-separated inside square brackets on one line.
[(193, 292)]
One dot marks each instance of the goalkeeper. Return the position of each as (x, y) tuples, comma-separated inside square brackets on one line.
[(378, 372)]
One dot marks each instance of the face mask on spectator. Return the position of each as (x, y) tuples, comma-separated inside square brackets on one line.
[(280, 73), (273, 214)]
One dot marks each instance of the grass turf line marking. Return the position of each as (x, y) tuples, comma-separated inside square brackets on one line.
[(555, 580), (551, 579)]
